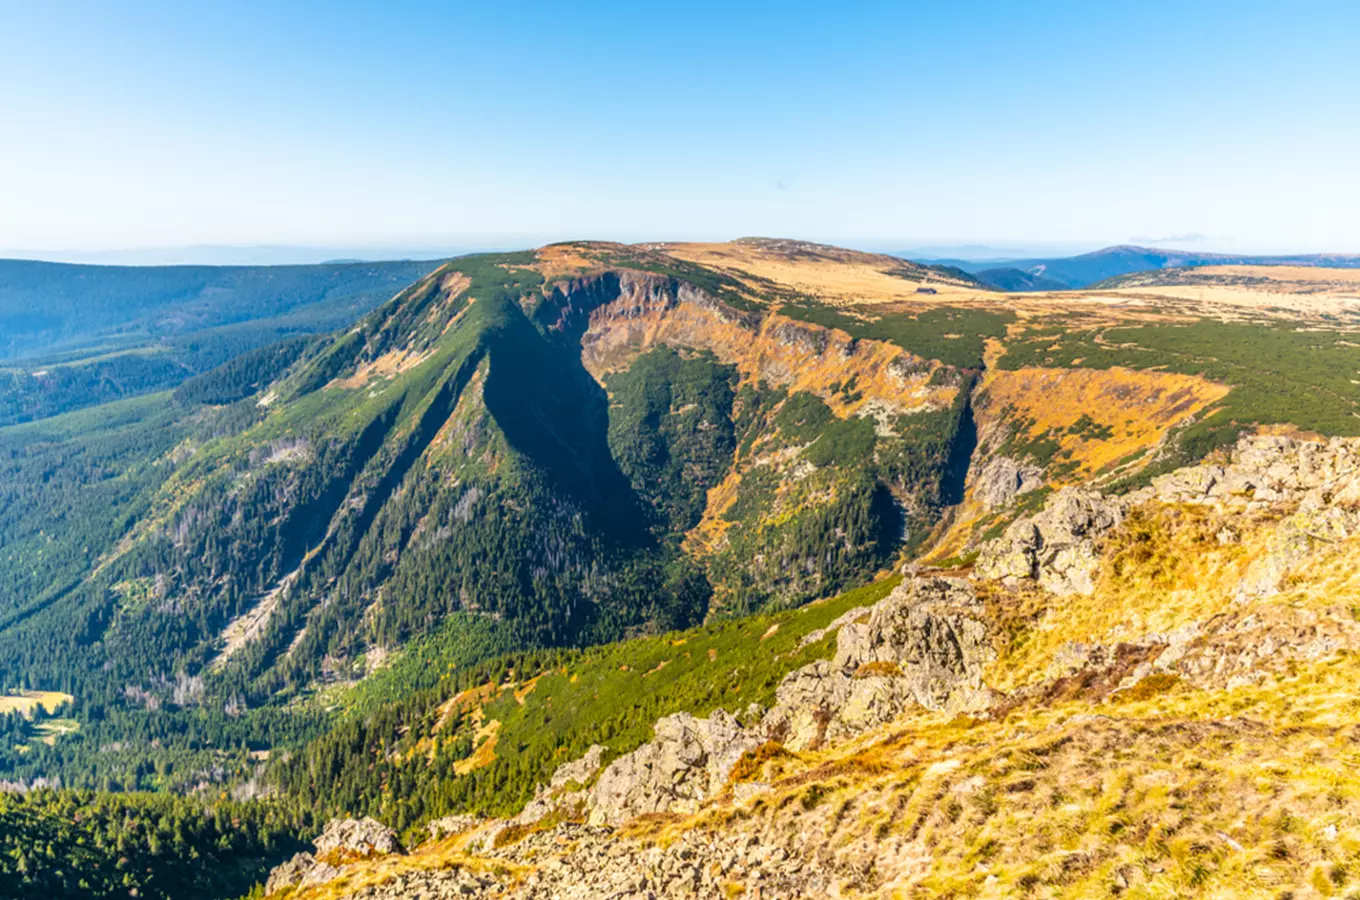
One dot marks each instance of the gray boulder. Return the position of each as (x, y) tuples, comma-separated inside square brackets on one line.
[(688, 761), (1002, 479), (1058, 547), (340, 842), (925, 644)]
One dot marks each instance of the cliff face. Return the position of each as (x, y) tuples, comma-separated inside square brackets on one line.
[(570, 460), (1095, 710), (771, 348)]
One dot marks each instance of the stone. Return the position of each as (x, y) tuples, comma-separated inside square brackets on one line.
[(688, 761), (1058, 547), (356, 838), (925, 644), (1002, 479), (340, 842)]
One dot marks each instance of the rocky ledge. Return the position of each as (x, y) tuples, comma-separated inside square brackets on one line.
[(1316, 484)]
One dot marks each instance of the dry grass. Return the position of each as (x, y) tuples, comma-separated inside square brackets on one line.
[(832, 275), (1138, 408), (26, 701), (485, 743), (1232, 291), (1165, 569)]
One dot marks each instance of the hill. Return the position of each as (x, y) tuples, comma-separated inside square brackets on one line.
[(565, 447), (1088, 269), (544, 500), (1012, 279), (77, 335)]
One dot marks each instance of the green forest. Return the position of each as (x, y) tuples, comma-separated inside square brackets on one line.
[(263, 558)]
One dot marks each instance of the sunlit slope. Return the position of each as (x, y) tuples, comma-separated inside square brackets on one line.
[(592, 441), (1184, 727)]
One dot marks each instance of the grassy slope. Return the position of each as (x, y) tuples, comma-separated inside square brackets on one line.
[(1243, 787), (550, 708)]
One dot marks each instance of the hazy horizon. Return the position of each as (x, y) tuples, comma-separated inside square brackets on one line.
[(281, 254)]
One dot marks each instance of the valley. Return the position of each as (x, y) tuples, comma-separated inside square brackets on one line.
[(850, 547)]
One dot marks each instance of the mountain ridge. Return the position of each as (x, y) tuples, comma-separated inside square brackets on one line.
[(1087, 269), (542, 500)]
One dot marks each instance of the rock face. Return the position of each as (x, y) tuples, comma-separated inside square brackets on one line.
[(342, 841), (1058, 547), (565, 790), (688, 761), (1003, 479), (361, 838), (925, 644)]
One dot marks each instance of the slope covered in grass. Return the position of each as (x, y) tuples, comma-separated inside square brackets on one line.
[(549, 708)]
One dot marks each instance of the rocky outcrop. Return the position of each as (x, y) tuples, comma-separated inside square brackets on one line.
[(566, 789), (586, 862), (300, 871), (1316, 484), (688, 761), (925, 644), (1002, 479), (1058, 547), (342, 841), (356, 839)]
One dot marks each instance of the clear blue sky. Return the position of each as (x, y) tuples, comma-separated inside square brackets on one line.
[(1227, 125)]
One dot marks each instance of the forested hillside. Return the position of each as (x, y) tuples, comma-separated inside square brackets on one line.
[(73, 336), (338, 566)]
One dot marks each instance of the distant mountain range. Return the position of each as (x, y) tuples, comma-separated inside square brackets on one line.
[(58, 307), (1086, 269)]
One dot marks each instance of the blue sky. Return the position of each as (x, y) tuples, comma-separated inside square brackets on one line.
[(1214, 125)]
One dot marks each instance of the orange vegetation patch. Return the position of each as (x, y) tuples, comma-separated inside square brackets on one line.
[(708, 534), (526, 689), (833, 275), (794, 355), (453, 284), (485, 754), (391, 363), (1097, 416), (565, 261), (470, 699)]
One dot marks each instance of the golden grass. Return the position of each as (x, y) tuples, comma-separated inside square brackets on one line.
[(1245, 792), (382, 870), (832, 275), (707, 536), (1165, 569), (26, 702), (1231, 291), (485, 743), (1138, 408)]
